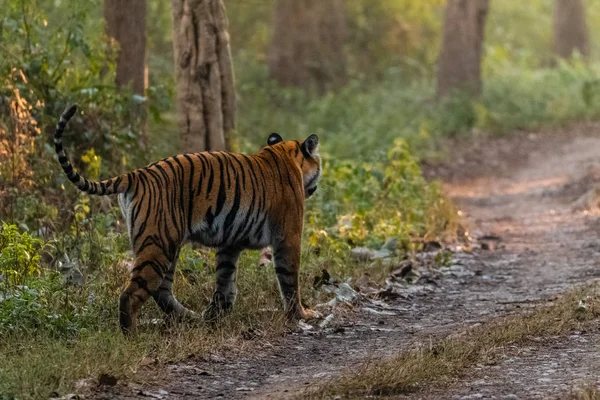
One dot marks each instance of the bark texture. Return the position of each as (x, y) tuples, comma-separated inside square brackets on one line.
[(570, 31), (204, 71), (126, 24), (307, 47), (459, 64)]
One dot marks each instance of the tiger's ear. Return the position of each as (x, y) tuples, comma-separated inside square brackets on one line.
[(311, 144), (274, 138)]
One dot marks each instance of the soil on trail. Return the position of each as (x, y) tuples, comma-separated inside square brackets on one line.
[(529, 198)]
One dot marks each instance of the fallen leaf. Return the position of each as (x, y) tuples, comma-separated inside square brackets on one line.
[(361, 253), (107, 379), (431, 246), (86, 384), (391, 243), (322, 279), (380, 254), (326, 321), (405, 268)]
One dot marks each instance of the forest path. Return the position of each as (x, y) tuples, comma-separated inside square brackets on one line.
[(523, 190), (539, 193)]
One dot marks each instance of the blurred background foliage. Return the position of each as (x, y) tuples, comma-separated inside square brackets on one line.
[(392, 48)]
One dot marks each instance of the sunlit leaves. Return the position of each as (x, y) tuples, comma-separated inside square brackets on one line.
[(93, 163), (19, 255), (364, 203)]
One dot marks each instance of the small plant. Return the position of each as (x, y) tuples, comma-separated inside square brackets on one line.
[(19, 255), (365, 203)]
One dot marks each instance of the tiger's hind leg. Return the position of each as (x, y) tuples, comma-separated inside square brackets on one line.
[(147, 277), (167, 302), (226, 289)]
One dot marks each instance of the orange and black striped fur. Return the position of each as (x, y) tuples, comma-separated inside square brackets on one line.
[(223, 200)]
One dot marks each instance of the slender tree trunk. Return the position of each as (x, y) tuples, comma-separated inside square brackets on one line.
[(307, 47), (204, 70), (126, 24), (460, 56), (570, 31)]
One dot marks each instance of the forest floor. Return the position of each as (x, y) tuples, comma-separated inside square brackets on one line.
[(529, 203)]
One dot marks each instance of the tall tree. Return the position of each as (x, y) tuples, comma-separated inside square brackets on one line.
[(459, 64), (204, 70), (307, 46), (126, 24), (570, 31)]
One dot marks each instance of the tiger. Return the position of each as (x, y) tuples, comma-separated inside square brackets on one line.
[(223, 200)]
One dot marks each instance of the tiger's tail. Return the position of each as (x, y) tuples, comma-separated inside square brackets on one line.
[(110, 186)]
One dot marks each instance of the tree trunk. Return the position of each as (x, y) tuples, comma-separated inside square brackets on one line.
[(570, 31), (126, 24), (307, 47), (459, 64), (204, 70)]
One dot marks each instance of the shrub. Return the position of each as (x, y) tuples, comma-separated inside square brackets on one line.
[(365, 203), (19, 256)]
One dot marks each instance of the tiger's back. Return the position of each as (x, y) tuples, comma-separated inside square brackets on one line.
[(218, 199), (224, 200)]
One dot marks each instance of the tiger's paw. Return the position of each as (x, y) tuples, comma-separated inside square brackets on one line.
[(307, 314)]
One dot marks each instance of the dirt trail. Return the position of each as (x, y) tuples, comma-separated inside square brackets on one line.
[(522, 190), (542, 211)]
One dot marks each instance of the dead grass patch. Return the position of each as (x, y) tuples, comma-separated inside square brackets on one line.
[(443, 360), (587, 391)]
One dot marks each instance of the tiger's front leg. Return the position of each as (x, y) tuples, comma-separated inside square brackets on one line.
[(226, 289), (287, 264)]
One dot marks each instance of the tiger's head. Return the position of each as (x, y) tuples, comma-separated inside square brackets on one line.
[(306, 156)]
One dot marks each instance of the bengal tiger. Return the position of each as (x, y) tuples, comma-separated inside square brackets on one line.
[(227, 201)]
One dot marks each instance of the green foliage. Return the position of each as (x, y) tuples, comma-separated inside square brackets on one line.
[(543, 97), (365, 203), (19, 256), (43, 301), (520, 33), (93, 163), (94, 238), (389, 34), (42, 307), (374, 115), (63, 57), (382, 35)]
